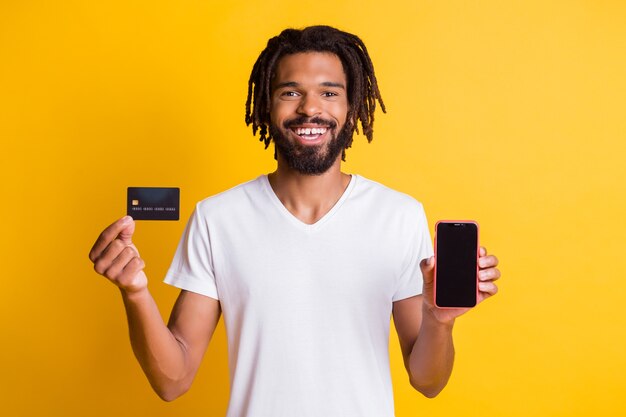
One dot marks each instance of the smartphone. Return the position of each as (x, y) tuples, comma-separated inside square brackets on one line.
[(456, 263)]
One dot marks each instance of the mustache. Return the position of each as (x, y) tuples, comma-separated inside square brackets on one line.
[(287, 124)]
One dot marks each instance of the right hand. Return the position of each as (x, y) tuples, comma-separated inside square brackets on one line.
[(115, 256)]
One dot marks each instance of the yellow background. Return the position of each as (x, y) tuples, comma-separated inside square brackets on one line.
[(508, 112)]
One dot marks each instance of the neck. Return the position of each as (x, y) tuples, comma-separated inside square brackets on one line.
[(308, 197)]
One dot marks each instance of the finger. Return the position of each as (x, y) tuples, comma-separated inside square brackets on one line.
[(108, 255), (130, 271), (120, 262), (490, 274), (487, 261), (107, 236), (482, 251), (126, 234), (427, 266), (488, 287)]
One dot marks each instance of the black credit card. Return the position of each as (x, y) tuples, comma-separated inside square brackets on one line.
[(153, 203)]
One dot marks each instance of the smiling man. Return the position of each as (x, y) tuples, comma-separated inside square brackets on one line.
[(308, 113), (307, 264)]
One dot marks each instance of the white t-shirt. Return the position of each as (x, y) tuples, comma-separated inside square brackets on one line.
[(307, 308)]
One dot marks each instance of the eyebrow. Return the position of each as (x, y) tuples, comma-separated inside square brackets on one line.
[(324, 84)]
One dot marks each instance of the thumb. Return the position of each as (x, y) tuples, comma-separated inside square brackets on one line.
[(427, 266), (127, 233)]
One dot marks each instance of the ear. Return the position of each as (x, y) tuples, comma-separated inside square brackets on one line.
[(351, 119), (353, 123)]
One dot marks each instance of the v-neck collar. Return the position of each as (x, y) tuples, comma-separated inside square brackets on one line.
[(293, 219)]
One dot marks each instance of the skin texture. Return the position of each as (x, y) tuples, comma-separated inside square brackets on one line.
[(306, 85), (309, 91)]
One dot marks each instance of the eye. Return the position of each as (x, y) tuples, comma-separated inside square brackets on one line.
[(289, 94), (329, 94)]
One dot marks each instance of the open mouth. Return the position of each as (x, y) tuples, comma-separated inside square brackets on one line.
[(310, 133)]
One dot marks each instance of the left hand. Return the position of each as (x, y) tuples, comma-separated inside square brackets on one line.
[(487, 275)]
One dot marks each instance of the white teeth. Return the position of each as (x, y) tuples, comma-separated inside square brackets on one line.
[(310, 131)]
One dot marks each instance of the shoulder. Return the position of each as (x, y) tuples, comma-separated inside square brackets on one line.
[(234, 198), (384, 197)]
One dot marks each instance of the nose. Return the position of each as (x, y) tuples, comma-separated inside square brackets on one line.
[(310, 105)]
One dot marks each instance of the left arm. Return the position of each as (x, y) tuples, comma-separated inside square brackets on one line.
[(425, 331), (428, 358)]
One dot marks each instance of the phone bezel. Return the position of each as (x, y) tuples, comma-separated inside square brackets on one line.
[(473, 222)]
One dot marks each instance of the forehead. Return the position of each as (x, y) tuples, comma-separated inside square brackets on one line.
[(309, 68)]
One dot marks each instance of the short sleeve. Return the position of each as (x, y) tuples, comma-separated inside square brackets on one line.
[(192, 266), (411, 281)]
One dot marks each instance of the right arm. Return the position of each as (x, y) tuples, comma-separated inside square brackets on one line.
[(169, 355)]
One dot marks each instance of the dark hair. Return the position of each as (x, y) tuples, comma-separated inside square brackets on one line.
[(362, 86)]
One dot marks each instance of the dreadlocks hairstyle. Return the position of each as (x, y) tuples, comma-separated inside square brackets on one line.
[(362, 86)]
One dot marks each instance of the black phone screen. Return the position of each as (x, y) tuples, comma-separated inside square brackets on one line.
[(457, 258)]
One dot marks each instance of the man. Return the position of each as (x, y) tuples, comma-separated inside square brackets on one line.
[(307, 263)]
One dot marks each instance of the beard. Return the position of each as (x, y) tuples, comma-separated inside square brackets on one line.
[(311, 159)]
